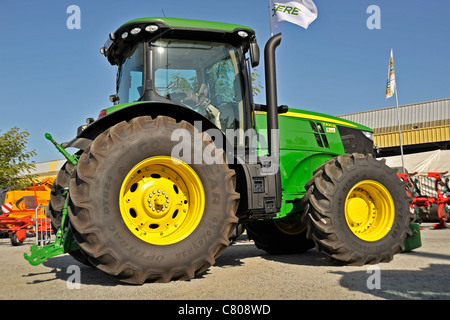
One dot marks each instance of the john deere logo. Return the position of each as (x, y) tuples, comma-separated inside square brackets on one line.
[(285, 9)]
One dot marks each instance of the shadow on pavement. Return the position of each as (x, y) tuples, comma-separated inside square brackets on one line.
[(426, 284)]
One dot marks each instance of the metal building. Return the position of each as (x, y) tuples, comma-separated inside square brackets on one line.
[(48, 169), (425, 126)]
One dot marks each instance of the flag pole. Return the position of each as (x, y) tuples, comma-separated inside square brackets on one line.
[(399, 130), (270, 20), (392, 84)]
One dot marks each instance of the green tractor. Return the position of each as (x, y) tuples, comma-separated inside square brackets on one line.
[(184, 159)]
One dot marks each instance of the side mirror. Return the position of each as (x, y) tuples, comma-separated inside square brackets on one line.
[(254, 53)]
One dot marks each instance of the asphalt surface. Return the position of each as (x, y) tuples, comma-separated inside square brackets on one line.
[(242, 272)]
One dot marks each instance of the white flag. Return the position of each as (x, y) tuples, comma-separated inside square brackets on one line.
[(300, 12), (391, 85)]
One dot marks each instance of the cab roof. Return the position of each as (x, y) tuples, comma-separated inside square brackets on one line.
[(189, 24), (136, 30)]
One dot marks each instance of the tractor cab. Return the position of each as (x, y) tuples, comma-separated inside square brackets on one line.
[(196, 65)]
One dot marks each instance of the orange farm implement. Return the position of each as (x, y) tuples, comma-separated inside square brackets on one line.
[(24, 214)]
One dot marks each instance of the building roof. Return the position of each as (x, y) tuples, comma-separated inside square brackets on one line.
[(420, 123)]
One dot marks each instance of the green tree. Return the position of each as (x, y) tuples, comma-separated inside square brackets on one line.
[(180, 83), (256, 85), (220, 78), (15, 165)]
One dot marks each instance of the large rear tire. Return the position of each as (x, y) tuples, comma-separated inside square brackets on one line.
[(357, 210), (141, 215)]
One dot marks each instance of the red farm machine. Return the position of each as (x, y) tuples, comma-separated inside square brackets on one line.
[(431, 196)]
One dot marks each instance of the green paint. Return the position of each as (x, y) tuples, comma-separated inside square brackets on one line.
[(300, 153), (190, 24), (325, 118), (123, 105), (285, 9)]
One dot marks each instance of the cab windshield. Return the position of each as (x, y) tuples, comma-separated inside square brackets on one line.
[(204, 76), (130, 75)]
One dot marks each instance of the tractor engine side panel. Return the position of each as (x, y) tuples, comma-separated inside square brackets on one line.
[(306, 143)]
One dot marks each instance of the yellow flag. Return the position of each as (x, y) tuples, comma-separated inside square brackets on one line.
[(391, 85)]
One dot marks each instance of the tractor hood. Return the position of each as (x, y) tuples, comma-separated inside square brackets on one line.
[(296, 113)]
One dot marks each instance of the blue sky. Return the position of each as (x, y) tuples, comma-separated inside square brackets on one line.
[(53, 78)]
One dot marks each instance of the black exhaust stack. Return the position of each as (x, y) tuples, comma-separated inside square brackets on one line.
[(271, 163), (271, 95)]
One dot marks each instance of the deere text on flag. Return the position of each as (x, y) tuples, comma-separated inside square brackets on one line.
[(299, 12), (391, 85)]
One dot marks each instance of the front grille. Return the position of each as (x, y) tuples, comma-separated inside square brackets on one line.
[(325, 141), (319, 140), (354, 141)]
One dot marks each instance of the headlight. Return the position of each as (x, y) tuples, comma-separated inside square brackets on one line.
[(151, 28), (135, 31), (243, 34), (368, 134)]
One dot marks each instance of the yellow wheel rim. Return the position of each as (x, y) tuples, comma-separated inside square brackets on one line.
[(291, 228), (162, 200), (369, 210)]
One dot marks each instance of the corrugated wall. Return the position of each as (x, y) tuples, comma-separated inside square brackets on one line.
[(413, 116), (48, 169), (411, 137)]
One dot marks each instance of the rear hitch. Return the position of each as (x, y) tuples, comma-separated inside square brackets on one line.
[(64, 241)]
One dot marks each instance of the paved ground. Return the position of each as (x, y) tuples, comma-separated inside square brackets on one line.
[(243, 272)]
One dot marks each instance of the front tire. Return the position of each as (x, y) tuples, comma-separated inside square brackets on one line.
[(121, 186), (357, 210)]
